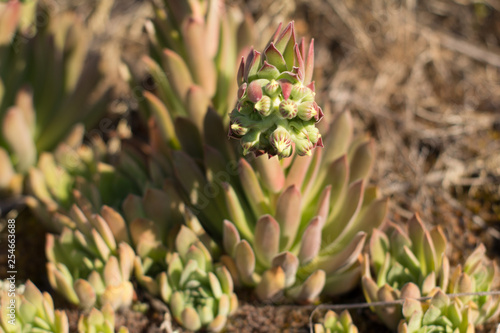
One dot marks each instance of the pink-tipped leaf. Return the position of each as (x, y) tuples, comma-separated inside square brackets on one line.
[(309, 63), (289, 263), (201, 64), (275, 58), (311, 241), (288, 215)]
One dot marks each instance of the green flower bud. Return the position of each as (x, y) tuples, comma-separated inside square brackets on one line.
[(308, 110), (313, 134), (288, 109), (242, 109), (250, 141), (282, 142), (237, 128), (272, 89), (299, 92), (309, 97), (303, 146), (264, 106)]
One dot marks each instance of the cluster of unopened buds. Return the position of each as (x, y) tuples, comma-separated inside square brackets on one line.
[(276, 109)]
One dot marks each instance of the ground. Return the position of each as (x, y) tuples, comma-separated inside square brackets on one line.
[(423, 79)]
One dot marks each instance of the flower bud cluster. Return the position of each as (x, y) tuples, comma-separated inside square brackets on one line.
[(276, 110)]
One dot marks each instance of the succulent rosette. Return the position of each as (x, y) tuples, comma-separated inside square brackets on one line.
[(38, 109), (298, 229), (276, 109), (33, 311), (90, 175), (440, 314), (91, 265), (334, 323), (15, 156), (403, 261), (322, 202), (99, 321), (477, 275), (194, 52), (199, 293)]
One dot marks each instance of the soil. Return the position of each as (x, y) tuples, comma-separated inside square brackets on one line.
[(422, 77)]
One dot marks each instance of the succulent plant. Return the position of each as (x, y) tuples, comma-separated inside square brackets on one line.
[(198, 292), (458, 314), (92, 264), (152, 220), (477, 275), (174, 257), (99, 321), (90, 175), (15, 18), (333, 323), (296, 226), (276, 110), (404, 261), (216, 186), (30, 311), (46, 94), (194, 48), (194, 51), (440, 314)]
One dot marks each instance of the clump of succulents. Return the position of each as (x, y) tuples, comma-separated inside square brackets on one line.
[(194, 48), (152, 221), (99, 321), (198, 292), (300, 228), (276, 109), (92, 264), (333, 323), (15, 18), (318, 222), (404, 261), (414, 264), (54, 82), (193, 90), (27, 310), (303, 197), (477, 275), (174, 260), (440, 314), (90, 175)]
